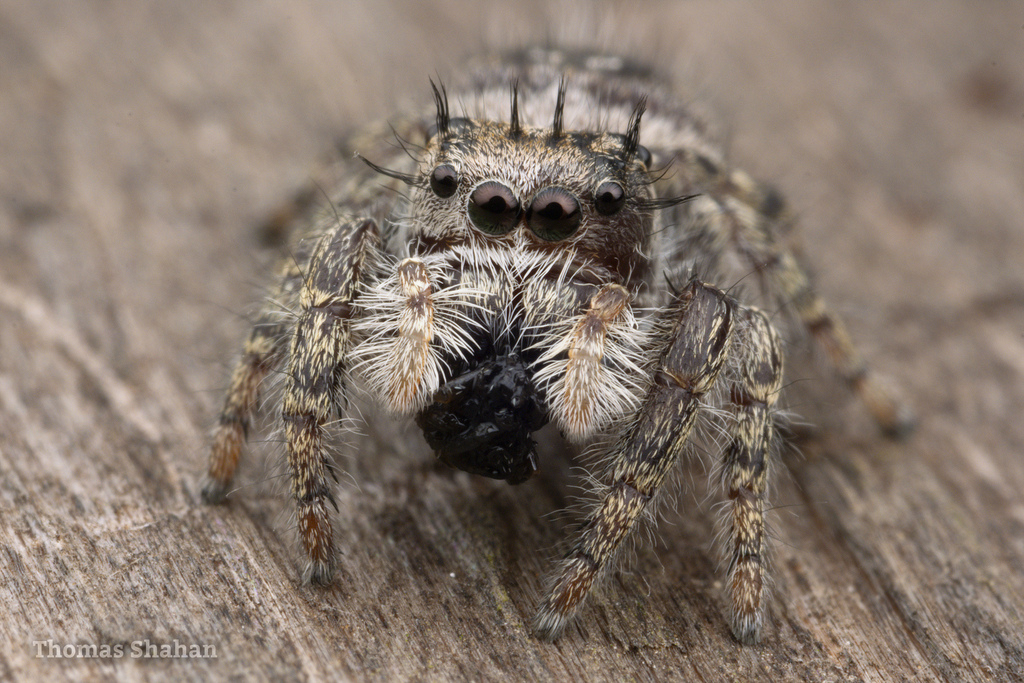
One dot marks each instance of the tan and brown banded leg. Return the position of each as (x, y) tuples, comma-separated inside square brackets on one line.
[(263, 353), (318, 353), (791, 282), (698, 345), (755, 382), (745, 216)]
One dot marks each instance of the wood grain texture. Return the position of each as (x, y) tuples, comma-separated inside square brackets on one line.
[(141, 142)]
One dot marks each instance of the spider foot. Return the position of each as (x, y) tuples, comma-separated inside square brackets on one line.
[(317, 541)]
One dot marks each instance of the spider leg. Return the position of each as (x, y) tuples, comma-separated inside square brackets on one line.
[(587, 393), (699, 332), (755, 376), (263, 353), (319, 351), (402, 356), (744, 216)]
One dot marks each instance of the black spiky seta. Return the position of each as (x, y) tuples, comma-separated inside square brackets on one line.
[(443, 119), (406, 178), (632, 143), (558, 126), (515, 128)]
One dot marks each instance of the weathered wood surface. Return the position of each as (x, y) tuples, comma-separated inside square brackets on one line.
[(142, 141)]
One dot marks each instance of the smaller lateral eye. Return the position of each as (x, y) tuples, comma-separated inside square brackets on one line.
[(609, 198), (444, 180), (644, 155)]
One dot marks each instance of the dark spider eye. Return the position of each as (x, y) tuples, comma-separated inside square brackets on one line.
[(609, 198), (444, 181), (554, 214), (644, 155), (493, 208)]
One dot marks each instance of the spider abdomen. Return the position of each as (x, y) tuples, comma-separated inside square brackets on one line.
[(481, 421)]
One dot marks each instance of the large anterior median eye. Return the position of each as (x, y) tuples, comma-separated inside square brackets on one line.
[(444, 181), (493, 208), (554, 214)]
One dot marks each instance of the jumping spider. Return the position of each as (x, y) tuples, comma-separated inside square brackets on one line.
[(494, 272)]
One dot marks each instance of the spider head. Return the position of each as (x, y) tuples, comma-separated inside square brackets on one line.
[(499, 185)]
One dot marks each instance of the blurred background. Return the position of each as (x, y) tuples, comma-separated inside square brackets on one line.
[(142, 142)]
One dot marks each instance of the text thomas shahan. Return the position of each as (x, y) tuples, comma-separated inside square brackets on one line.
[(136, 649)]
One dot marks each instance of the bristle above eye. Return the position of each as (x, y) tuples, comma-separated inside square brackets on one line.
[(515, 128), (632, 143), (443, 118), (557, 127)]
